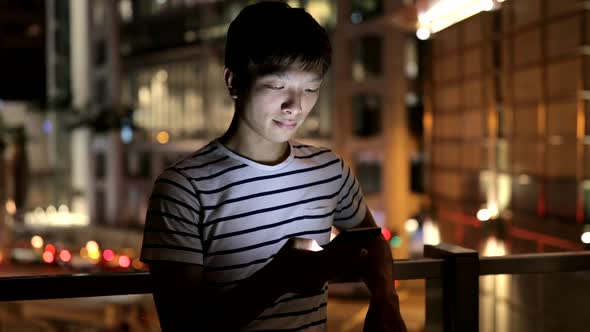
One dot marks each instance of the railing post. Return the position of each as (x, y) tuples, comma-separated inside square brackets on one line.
[(454, 307)]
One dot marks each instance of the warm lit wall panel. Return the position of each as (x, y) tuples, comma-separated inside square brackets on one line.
[(472, 62), (473, 94), (473, 122), (562, 79), (564, 36), (472, 156), (526, 122), (527, 47), (526, 11), (562, 119), (525, 157), (527, 85), (561, 160), (557, 8)]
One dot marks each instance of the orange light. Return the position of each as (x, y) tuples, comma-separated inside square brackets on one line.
[(386, 233), (124, 261), (137, 264), (48, 257), (396, 284), (65, 255), (50, 248), (163, 137), (108, 255)]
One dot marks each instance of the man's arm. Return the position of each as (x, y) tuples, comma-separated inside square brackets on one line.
[(384, 310), (182, 300)]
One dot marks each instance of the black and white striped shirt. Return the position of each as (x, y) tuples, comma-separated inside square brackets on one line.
[(231, 215)]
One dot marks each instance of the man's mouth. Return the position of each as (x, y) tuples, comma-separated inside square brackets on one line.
[(285, 124)]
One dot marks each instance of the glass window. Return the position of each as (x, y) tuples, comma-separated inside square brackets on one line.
[(503, 155), (126, 10), (98, 13), (138, 164), (366, 115), (417, 172), (100, 52), (100, 165), (368, 170), (586, 199), (561, 198), (362, 10), (369, 176), (366, 58), (525, 193), (587, 120), (100, 206)]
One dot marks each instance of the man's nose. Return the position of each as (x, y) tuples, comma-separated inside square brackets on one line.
[(292, 104)]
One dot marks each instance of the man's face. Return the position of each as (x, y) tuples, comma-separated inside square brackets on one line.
[(278, 103)]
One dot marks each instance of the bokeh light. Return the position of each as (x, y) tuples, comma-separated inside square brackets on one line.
[(37, 242), (124, 261), (65, 255), (48, 257), (50, 248), (108, 255), (163, 137), (10, 207)]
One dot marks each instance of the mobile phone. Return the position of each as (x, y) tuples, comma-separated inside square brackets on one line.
[(357, 236)]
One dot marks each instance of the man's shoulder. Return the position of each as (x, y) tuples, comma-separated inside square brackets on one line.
[(204, 159), (205, 154), (307, 150)]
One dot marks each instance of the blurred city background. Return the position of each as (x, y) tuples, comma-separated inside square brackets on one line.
[(466, 122)]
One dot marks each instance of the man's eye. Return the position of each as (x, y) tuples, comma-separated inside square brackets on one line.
[(274, 87), (311, 90)]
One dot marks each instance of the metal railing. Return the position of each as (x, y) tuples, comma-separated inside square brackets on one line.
[(451, 273)]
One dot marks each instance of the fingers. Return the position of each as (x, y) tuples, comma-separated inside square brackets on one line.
[(305, 244)]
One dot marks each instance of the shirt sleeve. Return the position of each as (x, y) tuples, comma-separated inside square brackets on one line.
[(172, 231), (351, 207)]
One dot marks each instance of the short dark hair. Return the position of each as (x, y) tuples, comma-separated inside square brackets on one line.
[(270, 36)]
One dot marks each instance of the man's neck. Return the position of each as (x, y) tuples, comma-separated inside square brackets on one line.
[(255, 148)]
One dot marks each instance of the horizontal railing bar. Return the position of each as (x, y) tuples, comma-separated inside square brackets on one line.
[(107, 284), (535, 263), (423, 268), (24, 288), (73, 285)]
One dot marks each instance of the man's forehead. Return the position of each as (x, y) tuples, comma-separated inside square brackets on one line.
[(292, 73)]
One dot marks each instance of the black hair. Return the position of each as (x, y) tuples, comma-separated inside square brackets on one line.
[(269, 36)]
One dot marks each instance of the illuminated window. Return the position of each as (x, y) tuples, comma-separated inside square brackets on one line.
[(126, 10), (186, 99), (324, 11), (366, 58), (369, 176)]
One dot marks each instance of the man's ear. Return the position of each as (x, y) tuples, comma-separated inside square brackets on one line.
[(230, 82)]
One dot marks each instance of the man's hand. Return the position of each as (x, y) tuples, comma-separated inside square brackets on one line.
[(304, 271), (377, 273), (384, 316)]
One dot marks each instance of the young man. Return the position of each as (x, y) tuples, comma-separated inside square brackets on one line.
[(222, 225)]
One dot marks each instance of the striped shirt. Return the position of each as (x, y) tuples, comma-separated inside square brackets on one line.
[(231, 215)]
